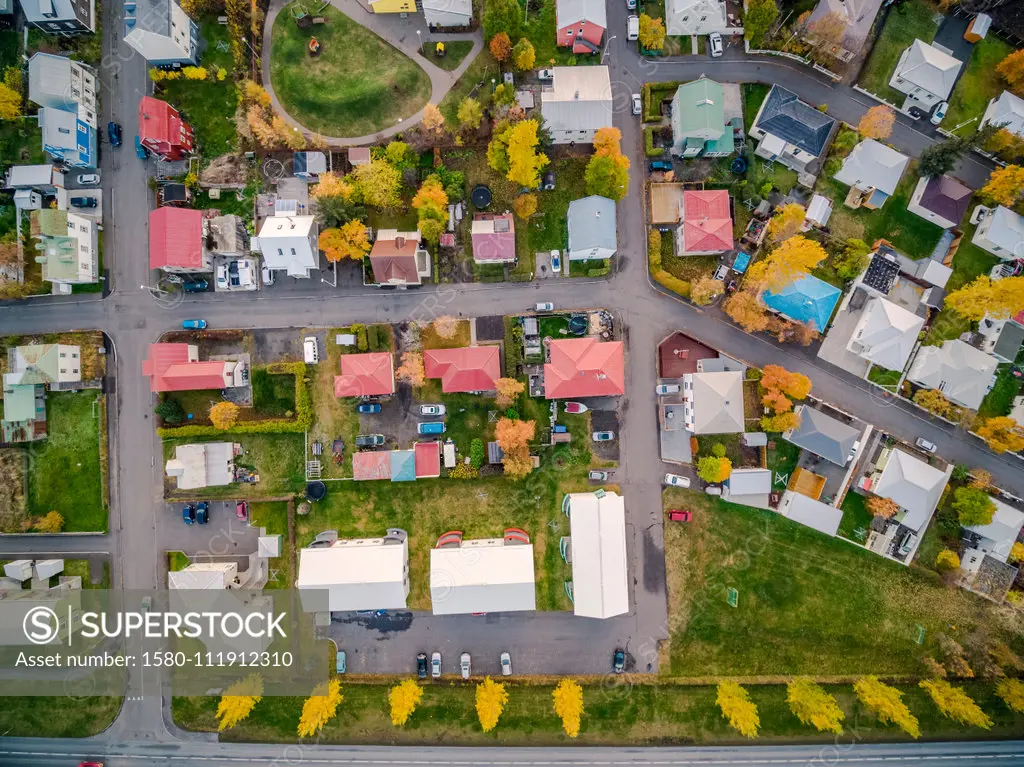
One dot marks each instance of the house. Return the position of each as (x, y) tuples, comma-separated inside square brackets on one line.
[(580, 24), (176, 367), (810, 512), (61, 17), (592, 229), (695, 17), (487, 575), (748, 487), (448, 13), (857, 16), (67, 138), (597, 530), (392, 6), (872, 171), (365, 375), (958, 370), (1006, 110), (206, 464), (885, 334), (309, 165), (203, 575), (940, 199), (358, 155), (1000, 231), (1002, 337), (161, 32), (57, 82), (371, 465), (713, 402), (494, 238), (698, 120), (162, 131), (925, 73), (585, 367), (67, 246), (823, 435), (30, 370), (45, 178), (985, 561), (808, 300), (469, 369), (289, 242), (176, 241), (398, 260), (358, 574), (706, 222), (913, 484), (819, 210), (790, 131), (427, 459), (577, 103)]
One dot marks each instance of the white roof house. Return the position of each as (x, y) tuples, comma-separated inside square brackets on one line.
[(885, 334), (961, 372), (203, 575), (289, 243), (810, 513), (858, 16), (207, 464), (997, 537), (873, 165), (448, 13), (748, 487), (818, 211), (1000, 232), (60, 83), (1006, 110), (600, 585), (695, 17), (572, 11), (592, 229), (358, 574), (45, 177), (925, 73), (482, 576), (913, 484), (713, 402), (577, 103), (161, 31)]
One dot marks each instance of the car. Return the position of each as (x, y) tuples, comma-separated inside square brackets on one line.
[(556, 261), (188, 514), (267, 275), (916, 112), (506, 664), (114, 134), (631, 5), (464, 665), (193, 324), (242, 511), (421, 665), (676, 480), (546, 75), (940, 113), (633, 27), (433, 410), (340, 662), (638, 104), (368, 408), (195, 287), (90, 764), (715, 41), (84, 202), (618, 661), (202, 512), (853, 451), (666, 389), (435, 665), (147, 602), (908, 543), (598, 476), (928, 447), (545, 306), (88, 179), (430, 427), (370, 440), (140, 151), (576, 407), (603, 436), (310, 350), (659, 165), (222, 277), (679, 515)]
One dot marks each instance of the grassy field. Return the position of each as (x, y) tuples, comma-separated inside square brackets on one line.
[(80, 567), (999, 400), (914, 20), (855, 517), (274, 517), (816, 605), (475, 81), (753, 96), (884, 377), (177, 560), (356, 86), (455, 52), (977, 86), (431, 340), (46, 717), (277, 458), (273, 395)]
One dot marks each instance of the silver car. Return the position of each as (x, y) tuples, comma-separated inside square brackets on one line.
[(506, 664), (432, 410), (676, 480), (464, 665), (435, 665)]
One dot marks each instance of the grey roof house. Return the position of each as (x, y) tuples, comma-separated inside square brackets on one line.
[(872, 171), (823, 435), (940, 199), (65, 17), (161, 31), (748, 487), (958, 370), (1002, 338), (789, 130), (58, 82), (577, 103), (592, 231), (925, 74), (448, 13), (713, 402)]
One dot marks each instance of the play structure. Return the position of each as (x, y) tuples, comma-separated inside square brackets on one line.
[(314, 46), (305, 18)]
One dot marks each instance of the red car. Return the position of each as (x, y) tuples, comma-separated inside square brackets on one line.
[(677, 515), (90, 764), (242, 511)]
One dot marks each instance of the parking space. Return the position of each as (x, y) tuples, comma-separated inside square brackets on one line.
[(236, 274), (64, 197), (223, 535), (605, 420), (397, 419), (543, 266)]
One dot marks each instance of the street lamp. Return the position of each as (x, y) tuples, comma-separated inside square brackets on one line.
[(606, 44)]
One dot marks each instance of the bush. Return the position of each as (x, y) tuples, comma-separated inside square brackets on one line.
[(512, 414), (682, 287), (359, 331), (477, 455), (649, 149), (654, 250), (599, 271), (462, 471), (170, 411)]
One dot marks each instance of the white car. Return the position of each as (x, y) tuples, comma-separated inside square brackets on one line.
[(940, 113), (928, 447), (506, 664), (638, 105), (90, 179), (267, 275), (546, 75), (310, 350), (222, 278), (464, 665), (433, 410), (435, 665), (715, 40), (545, 306), (666, 389), (633, 28), (674, 480)]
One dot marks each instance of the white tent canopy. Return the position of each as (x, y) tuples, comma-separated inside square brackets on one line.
[(599, 577), (482, 576)]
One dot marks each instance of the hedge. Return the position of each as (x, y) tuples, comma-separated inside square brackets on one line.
[(682, 287), (599, 271), (654, 250), (649, 149), (653, 93)]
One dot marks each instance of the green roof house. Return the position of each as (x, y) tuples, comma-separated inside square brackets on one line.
[(698, 121), (29, 370), (67, 246)]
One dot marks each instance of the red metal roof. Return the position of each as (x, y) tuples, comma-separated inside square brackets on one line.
[(162, 129), (428, 459), (471, 368), (365, 375), (169, 369), (499, 244), (176, 238), (585, 367), (371, 465), (707, 221)]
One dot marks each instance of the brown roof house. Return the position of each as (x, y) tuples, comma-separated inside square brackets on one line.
[(398, 260), (494, 238), (940, 199)]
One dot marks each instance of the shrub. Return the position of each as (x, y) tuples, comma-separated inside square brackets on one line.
[(649, 149), (947, 560), (654, 250), (477, 454), (682, 287), (170, 411), (462, 471), (512, 413)]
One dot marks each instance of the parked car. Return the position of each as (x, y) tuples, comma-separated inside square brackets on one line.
[(193, 324), (430, 427), (633, 27), (598, 476), (114, 134), (680, 515), (267, 275), (619, 661), (940, 113), (659, 165), (222, 278), (666, 389), (638, 104), (147, 603), (545, 306), (715, 43), (370, 440), (310, 350), (506, 664), (88, 179), (340, 662), (140, 151), (853, 451), (676, 480), (90, 764), (195, 287), (546, 75), (202, 512), (435, 665), (603, 436), (84, 202), (242, 511), (433, 410), (576, 407), (464, 665), (421, 665), (928, 447), (556, 261), (188, 514), (908, 543), (368, 408)]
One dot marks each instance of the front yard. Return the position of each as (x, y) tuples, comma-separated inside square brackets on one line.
[(274, 517), (977, 86), (455, 52), (914, 20), (548, 229), (999, 400), (277, 458)]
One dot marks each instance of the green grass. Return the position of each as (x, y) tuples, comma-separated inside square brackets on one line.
[(855, 517), (357, 85), (475, 81), (969, 262), (65, 471), (884, 377), (177, 560), (782, 458), (10, 47), (731, 443), (277, 458), (21, 141), (977, 85), (455, 52), (548, 229), (80, 567), (274, 517), (999, 401), (753, 96), (910, 21), (49, 717), (273, 395)]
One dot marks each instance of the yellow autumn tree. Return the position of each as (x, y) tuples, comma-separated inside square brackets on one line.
[(652, 32), (411, 370), (254, 93), (51, 522), (794, 385), (194, 73), (746, 311), (568, 700), (524, 55), (1002, 434), (403, 698), (1016, 553), (934, 401), (780, 422), (508, 390), (10, 102), (350, 240), (332, 185), (705, 290), (320, 708), (790, 261), (491, 698), (947, 560), (378, 183), (713, 469), (224, 415), (738, 709), (887, 704), (524, 161), (513, 436), (877, 122), (433, 120), (999, 298), (1012, 693), (955, 704), (813, 706), (1011, 69), (525, 205), (1005, 186), (238, 701), (786, 222)]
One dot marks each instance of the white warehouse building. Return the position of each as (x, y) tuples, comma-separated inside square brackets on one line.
[(488, 575), (600, 582), (358, 574)]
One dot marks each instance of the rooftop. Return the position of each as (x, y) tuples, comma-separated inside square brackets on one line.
[(872, 164), (718, 403), (585, 367), (807, 300), (912, 484), (176, 238), (784, 115), (469, 369), (823, 435), (365, 375)]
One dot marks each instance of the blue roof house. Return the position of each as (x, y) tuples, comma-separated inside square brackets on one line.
[(808, 300), (403, 466)]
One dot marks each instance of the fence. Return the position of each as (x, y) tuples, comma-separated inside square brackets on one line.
[(793, 57)]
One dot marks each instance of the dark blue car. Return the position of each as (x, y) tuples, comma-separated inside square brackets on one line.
[(203, 512), (195, 287), (368, 408), (114, 134), (188, 514)]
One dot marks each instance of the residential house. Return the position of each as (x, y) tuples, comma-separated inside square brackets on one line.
[(289, 242), (1002, 337), (1007, 111), (597, 530), (872, 171), (585, 367), (392, 6), (308, 165), (358, 574), (67, 246), (986, 557), (176, 367), (448, 13), (494, 238), (695, 17), (958, 370), (823, 435), (468, 369), (61, 17), (810, 512), (713, 402), (885, 334), (819, 210), (201, 576), (486, 575), (58, 84), (365, 375), (592, 229), (161, 32), (808, 300), (67, 138), (30, 370), (176, 241), (698, 121), (580, 24), (44, 179), (925, 73), (162, 131), (205, 464), (706, 226), (1000, 231), (790, 131), (577, 103), (398, 260), (940, 199), (857, 17), (748, 487)]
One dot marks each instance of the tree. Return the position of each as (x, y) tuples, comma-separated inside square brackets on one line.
[(411, 370), (332, 185), (404, 697), (433, 120), (491, 698), (446, 326), (1017, 552), (378, 183), (940, 158), (254, 93), (877, 122), (791, 260), (780, 422), (262, 131), (852, 260), (812, 705), (955, 704), (1002, 434), (431, 229), (348, 241), (705, 290), (525, 205), (51, 522), (999, 298), (973, 506), (738, 709), (399, 155), (501, 47), (170, 411), (652, 33), (524, 55), (477, 454), (746, 311), (497, 149), (224, 415), (524, 162), (332, 212), (431, 198), (1005, 186), (1012, 693), (981, 479), (1011, 69), (777, 401), (887, 704), (320, 707), (607, 173), (947, 560), (509, 390), (794, 385), (513, 437), (1006, 144), (758, 19), (238, 701), (10, 102), (501, 16), (568, 700), (828, 29), (886, 508), (470, 114), (934, 401), (713, 469), (786, 222), (194, 73), (291, 137)]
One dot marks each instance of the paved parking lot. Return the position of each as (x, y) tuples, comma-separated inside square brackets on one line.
[(223, 535)]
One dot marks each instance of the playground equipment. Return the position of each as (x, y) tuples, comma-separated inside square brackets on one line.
[(439, 50), (314, 46)]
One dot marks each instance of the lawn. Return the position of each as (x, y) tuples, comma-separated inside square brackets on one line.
[(816, 605), (855, 517), (753, 96), (48, 717), (475, 82), (977, 86), (999, 400), (277, 458), (455, 52), (884, 377), (547, 228), (431, 340), (274, 517), (357, 85), (80, 567), (21, 141), (197, 403), (273, 395), (914, 20), (177, 560), (781, 457), (13, 468)]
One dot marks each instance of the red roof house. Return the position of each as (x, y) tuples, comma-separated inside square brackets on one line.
[(469, 369), (428, 459), (162, 131), (585, 367), (176, 241), (395, 258), (176, 367), (371, 464), (707, 222), (581, 24), (365, 375), (494, 238)]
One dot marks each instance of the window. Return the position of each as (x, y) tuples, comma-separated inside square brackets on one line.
[(293, 251), (280, 252), (63, 370), (63, 355)]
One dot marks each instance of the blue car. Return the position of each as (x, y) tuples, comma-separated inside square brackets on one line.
[(194, 324), (430, 427), (203, 512), (340, 662), (368, 408), (114, 134), (140, 151), (195, 287), (188, 514)]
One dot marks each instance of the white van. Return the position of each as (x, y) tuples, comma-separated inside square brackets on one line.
[(633, 28), (311, 350)]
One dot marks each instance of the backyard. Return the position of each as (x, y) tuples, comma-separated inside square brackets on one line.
[(753, 96), (277, 458), (977, 86), (454, 52), (969, 262), (475, 81), (274, 517), (914, 20), (999, 400), (548, 228), (856, 518)]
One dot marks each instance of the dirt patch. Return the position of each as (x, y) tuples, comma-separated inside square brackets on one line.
[(12, 490), (226, 169)]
